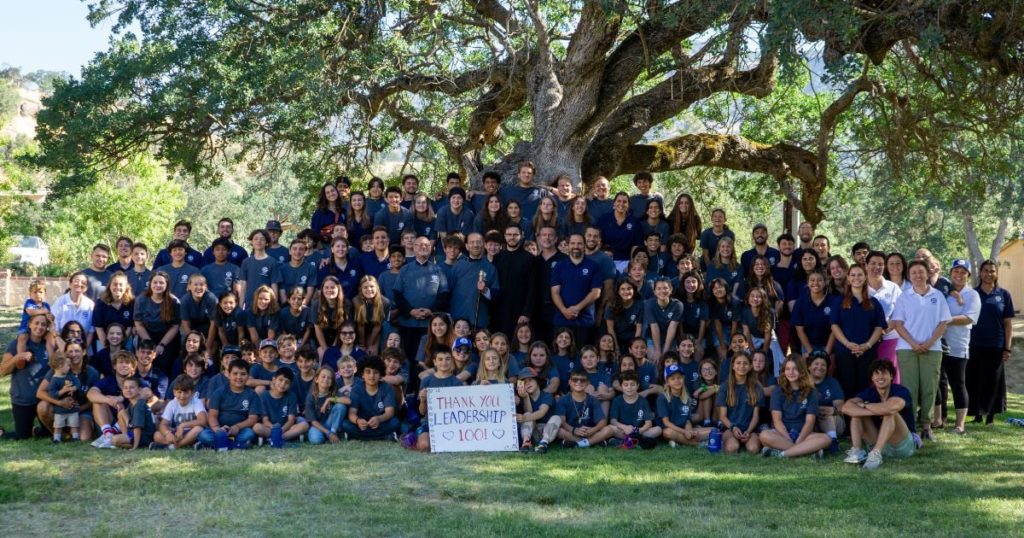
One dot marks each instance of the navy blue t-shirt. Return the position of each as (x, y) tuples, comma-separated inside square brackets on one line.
[(870, 395), (543, 398), (995, 307), (795, 409), (221, 277), (677, 412), (829, 390), (234, 407), (630, 414), (576, 414), (742, 413), (278, 409), (368, 405)]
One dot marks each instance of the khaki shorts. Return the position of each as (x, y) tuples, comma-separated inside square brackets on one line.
[(904, 449), (65, 420)]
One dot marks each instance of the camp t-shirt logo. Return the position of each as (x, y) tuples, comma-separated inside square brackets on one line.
[(933, 300), (639, 414), (352, 272), (629, 225), (184, 279), (284, 410), (402, 225), (828, 310), (126, 315), (434, 279), (245, 405), (302, 280), (234, 255), (380, 406), (586, 272), (803, 404), (264, 271)]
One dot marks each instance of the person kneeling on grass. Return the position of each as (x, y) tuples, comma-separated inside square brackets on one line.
[(234, 410), (135, 421), (536, 409), (583, 420), (183, 418), (631, 419), (883, 416), (794, 408), (280, 408), (674, 411), (372, 412)]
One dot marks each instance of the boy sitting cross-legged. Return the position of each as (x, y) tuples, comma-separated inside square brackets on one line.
[(183, 418), (583, 422), (234, 410)]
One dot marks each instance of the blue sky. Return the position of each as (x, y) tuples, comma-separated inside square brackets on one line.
[(49, 34)]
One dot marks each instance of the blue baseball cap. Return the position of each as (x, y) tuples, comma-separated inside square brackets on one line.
[(527, 373), (460, 342), (268, 342), (961, 263), (673, 369), (231, 350)]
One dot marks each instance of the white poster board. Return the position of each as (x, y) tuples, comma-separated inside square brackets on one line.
[(478, 418)]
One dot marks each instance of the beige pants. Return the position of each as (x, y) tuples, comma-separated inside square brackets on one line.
[(546, 433)]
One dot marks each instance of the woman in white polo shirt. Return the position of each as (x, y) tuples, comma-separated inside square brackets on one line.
[(920, 318), (965, 307)]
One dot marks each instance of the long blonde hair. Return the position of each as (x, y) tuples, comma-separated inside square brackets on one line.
[(481, 373)]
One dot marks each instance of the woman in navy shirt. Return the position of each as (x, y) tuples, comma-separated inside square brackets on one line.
[(620, 231), (991, 339), (329, 211), (857, 322)]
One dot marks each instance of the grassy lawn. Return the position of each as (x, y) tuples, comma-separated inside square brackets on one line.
[(958, 486)]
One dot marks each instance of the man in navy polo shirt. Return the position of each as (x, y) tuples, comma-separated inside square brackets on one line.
[(225, 229), (575, 287)]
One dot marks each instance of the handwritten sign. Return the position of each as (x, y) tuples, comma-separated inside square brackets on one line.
[(478, 418)]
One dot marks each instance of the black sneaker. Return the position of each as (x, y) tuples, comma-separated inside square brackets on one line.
[(542, 448), (568, 444), (157, 446)]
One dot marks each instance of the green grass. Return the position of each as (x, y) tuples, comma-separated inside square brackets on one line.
[(958, 486)]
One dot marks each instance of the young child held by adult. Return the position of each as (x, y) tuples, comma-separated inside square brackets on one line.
[(64, 383), (183, 418), (632, 422), (36, 304), (536, 414), (136, 421)]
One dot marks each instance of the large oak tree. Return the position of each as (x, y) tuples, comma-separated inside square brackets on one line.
[(583, 87)]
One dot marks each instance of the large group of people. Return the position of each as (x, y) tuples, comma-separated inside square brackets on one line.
[(618, 324)]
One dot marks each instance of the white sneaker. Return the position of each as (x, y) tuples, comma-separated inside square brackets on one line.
[(873, 462), (855, 455), (104, 441), (672, 444)]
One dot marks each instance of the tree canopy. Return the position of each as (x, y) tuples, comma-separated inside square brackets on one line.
[(583, 87)]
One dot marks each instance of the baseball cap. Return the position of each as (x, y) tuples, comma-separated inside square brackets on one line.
[(274, 225), (673, 369), (268, 342), (231, 350), (760, 226), (961, 263), (527, 373), (460, 342)]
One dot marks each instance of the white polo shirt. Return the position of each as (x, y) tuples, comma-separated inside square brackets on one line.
[(958, 337), (887, 294), (920, 315)]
